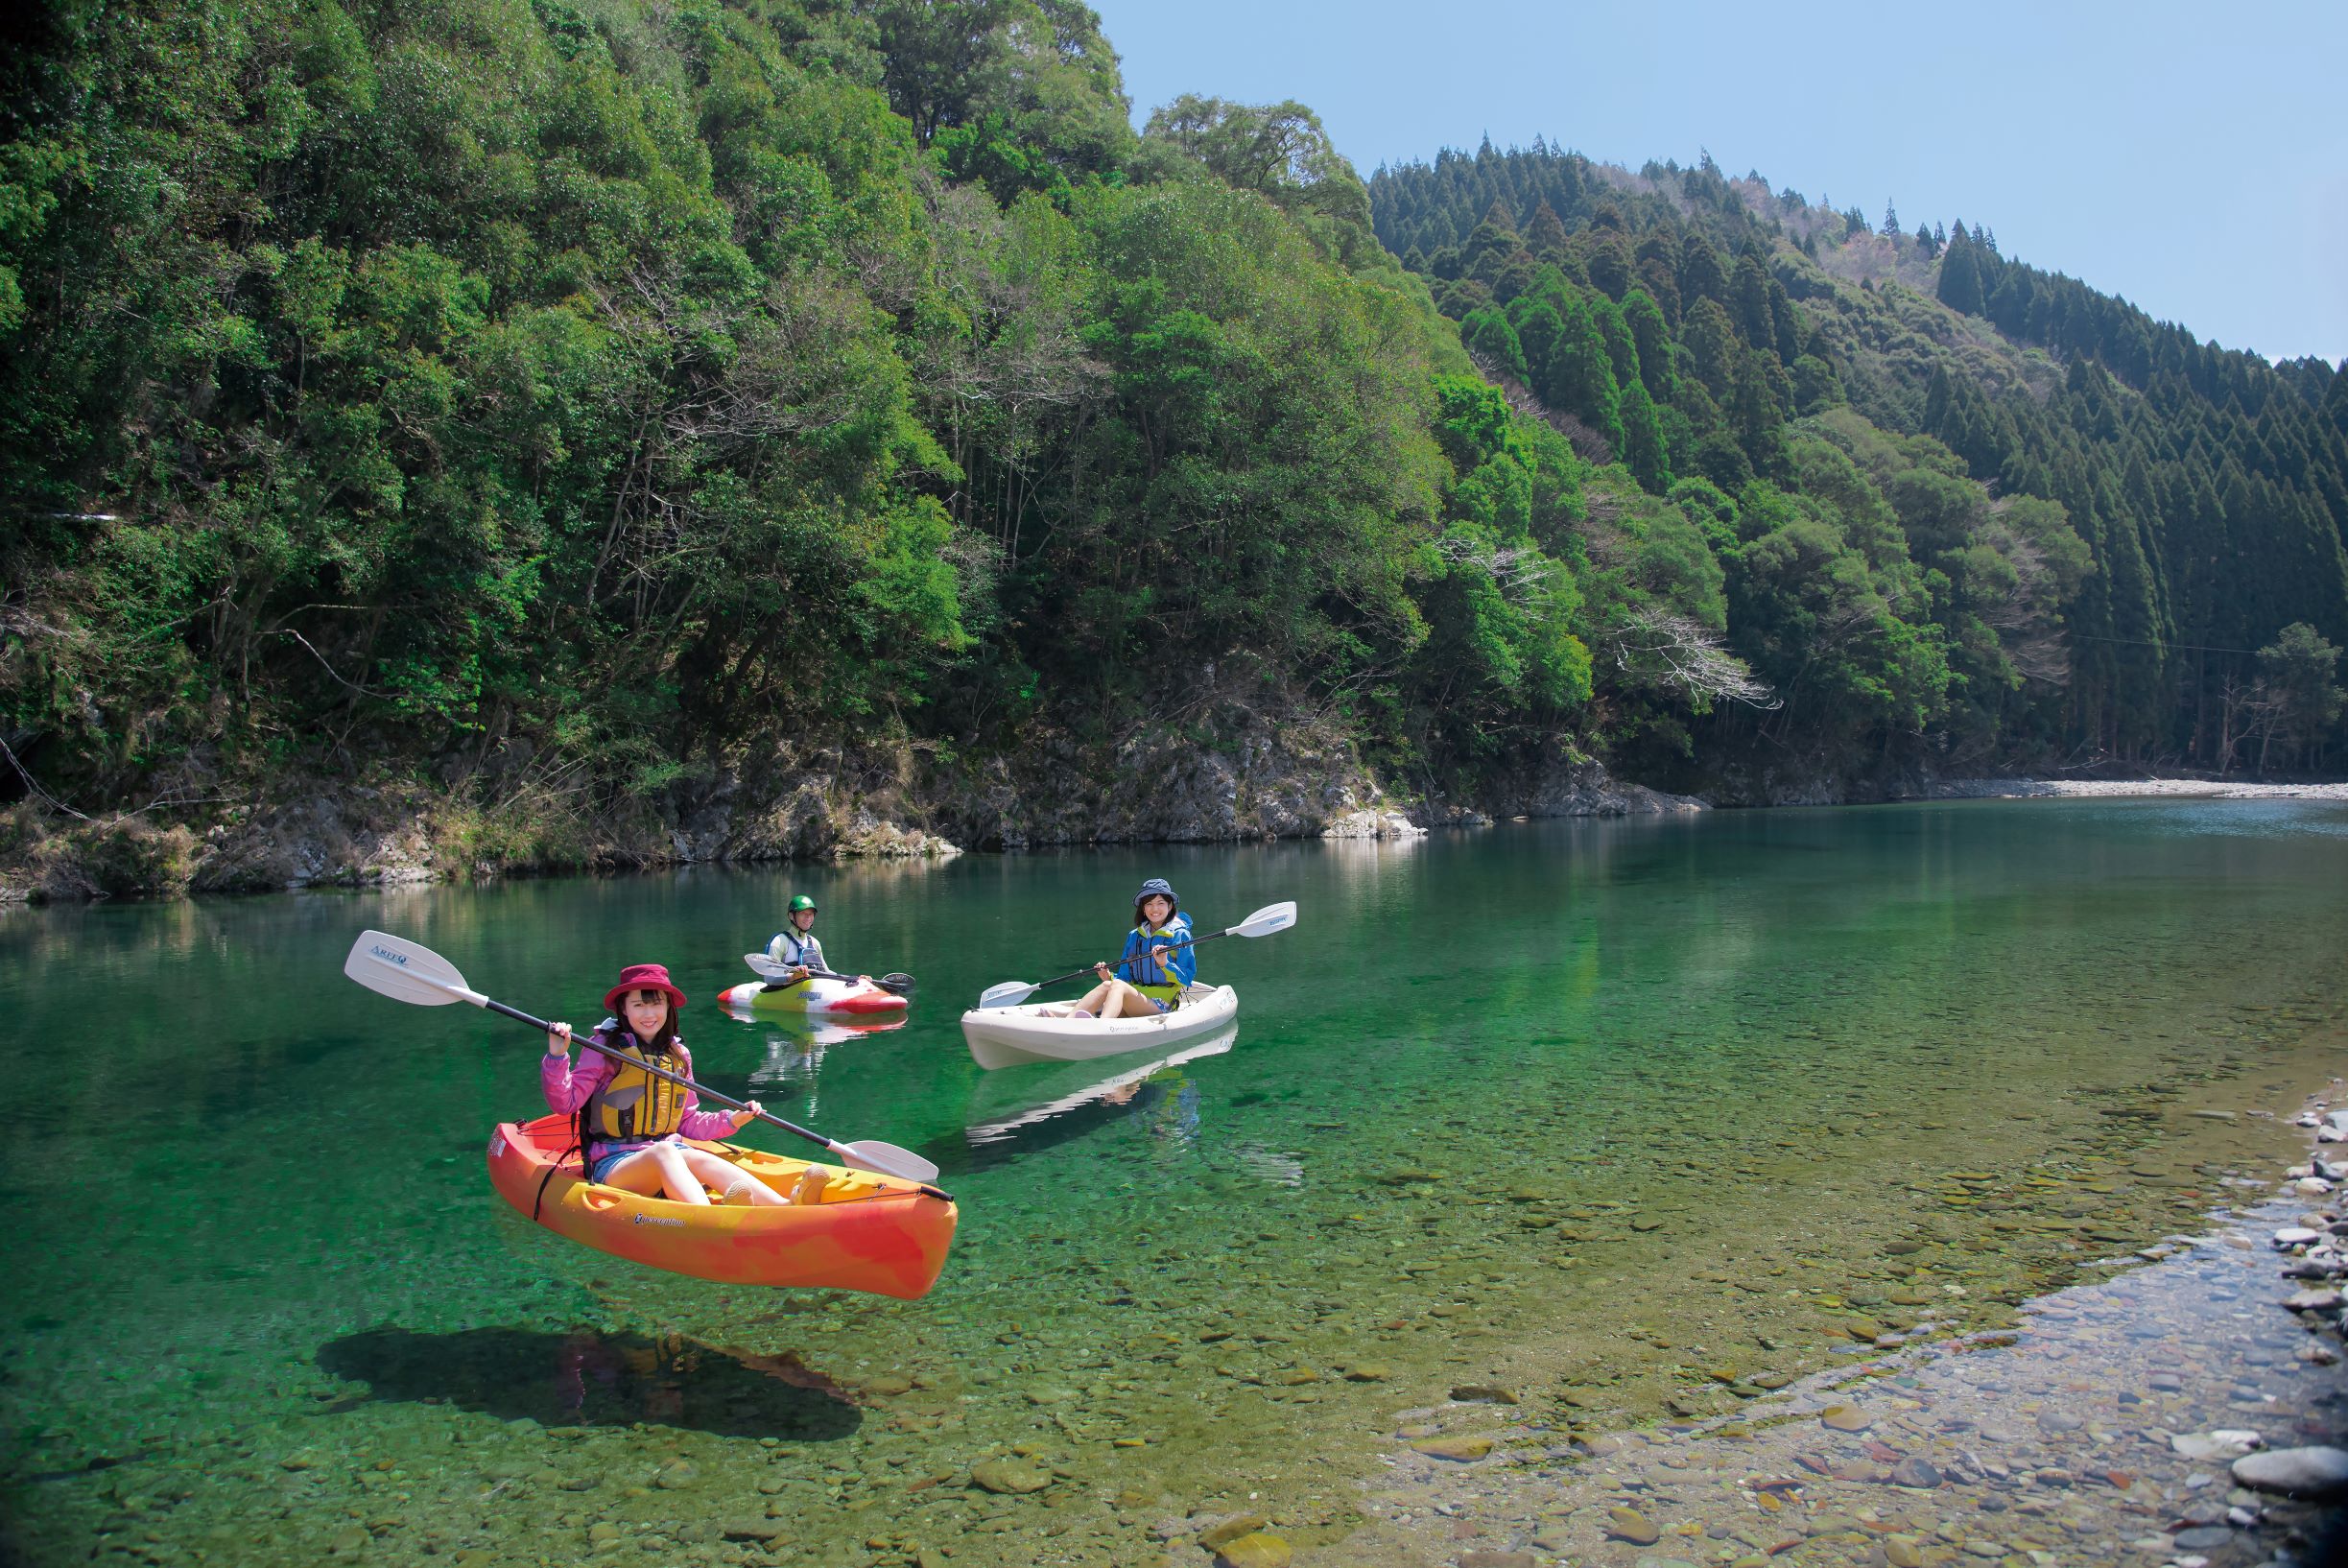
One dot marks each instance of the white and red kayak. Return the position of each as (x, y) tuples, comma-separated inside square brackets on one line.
[(817, 995)]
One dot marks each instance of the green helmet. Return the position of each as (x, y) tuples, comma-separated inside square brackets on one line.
[(801, 901)]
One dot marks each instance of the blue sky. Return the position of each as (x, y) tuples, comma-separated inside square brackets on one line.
[(2192, 159)]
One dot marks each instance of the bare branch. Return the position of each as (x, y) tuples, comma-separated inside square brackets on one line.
[(1664, 648)]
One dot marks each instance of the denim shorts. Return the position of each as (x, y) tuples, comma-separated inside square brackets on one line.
[(614, 1152)]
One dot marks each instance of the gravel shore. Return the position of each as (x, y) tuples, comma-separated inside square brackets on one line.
[(2205, 789)]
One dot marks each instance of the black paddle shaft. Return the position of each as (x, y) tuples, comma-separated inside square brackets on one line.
[(834, 974), (680, 1079), (1079, 974)]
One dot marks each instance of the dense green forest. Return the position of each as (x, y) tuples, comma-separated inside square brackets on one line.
[(500, 391), (1959, 502)]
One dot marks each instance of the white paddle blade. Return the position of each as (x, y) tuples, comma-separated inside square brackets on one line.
[(401, 970), (871, 1154), (765, 968), (1264, 921), (1010, 991)]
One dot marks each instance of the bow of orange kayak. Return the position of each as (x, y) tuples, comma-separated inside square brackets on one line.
[(870, 1232)]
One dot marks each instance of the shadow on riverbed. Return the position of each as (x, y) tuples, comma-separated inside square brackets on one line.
[(588, 1379)]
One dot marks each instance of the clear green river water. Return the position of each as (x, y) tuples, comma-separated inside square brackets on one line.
[(1606, 1114)]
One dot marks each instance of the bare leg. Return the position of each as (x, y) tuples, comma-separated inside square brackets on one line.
[(1098, 997), (1127, 1003), (646, 1172), (677, 1174), (729, 1178)]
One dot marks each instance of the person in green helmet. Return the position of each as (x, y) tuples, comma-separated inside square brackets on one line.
[(796, 944)]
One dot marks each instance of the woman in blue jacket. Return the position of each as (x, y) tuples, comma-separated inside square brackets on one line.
[(1152, 973)]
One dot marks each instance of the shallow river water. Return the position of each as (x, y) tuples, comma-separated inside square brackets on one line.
[(1629, 1122)]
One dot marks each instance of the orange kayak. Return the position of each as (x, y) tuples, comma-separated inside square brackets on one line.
[(870, 1232)]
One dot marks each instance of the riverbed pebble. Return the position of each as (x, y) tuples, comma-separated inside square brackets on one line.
[(2318, 1472), (1256, 1550), (1632, 1526), (1007, 1477)]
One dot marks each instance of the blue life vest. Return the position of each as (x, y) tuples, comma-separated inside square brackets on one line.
[(1136, 967)]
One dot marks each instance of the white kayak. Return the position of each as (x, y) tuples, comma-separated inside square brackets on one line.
[(1038, 1031)]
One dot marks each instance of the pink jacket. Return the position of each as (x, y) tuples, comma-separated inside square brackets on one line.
[(567, 1090)]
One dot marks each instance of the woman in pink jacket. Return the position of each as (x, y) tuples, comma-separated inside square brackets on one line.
[(634, 1124)]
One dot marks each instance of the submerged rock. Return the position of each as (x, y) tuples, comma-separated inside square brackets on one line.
[(1915, 1471), (1229, 1529), (1458, 1450), (1256, 1550), (1632, 1526), (2299, 1472), (2224, 1444), (1482, 1393), (1004, 1476)]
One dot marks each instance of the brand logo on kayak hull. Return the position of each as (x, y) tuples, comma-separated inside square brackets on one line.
[(655, 1220)]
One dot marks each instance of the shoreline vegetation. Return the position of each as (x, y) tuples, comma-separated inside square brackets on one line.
[(568, 435)]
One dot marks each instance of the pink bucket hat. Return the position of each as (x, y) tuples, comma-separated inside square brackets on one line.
[(644, 977)]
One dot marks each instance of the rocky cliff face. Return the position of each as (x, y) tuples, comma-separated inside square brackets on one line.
[(1565, 783), (1231, 776)]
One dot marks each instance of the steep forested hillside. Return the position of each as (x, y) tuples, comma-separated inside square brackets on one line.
[(1959, 500), (566, 399), (640, 382)]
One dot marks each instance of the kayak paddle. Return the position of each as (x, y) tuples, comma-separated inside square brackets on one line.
[(776, 972), (404, 971), (1262, 922)]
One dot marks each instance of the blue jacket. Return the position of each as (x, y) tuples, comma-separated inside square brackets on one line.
[(1138, 969)]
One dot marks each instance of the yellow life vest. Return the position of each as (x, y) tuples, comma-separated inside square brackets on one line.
[(631, 1103)]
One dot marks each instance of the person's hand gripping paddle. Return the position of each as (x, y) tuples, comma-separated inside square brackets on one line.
[(407, 972), (1262, 922)]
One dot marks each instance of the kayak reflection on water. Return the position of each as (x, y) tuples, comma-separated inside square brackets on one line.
[(795, 1051), (1051, 1104)]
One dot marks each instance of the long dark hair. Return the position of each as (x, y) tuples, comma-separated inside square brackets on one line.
[(664, 1039)]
